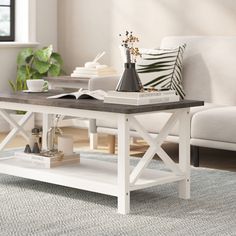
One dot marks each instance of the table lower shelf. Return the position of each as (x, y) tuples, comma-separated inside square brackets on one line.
[(91, 175)]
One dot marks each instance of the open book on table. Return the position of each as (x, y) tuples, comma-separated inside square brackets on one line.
[(82, 94)]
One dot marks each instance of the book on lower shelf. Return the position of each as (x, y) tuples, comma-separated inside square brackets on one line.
[(140, 98), (48, 162)]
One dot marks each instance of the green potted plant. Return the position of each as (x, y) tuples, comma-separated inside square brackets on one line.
[(35, 64)]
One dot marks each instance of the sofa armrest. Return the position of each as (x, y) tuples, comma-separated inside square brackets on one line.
[(104, 83)]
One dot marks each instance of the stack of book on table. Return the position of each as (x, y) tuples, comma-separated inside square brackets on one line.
[(39, 160), (98, 71), (141, 98)]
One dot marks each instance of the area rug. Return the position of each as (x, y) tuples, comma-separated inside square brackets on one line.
[(34, 208)]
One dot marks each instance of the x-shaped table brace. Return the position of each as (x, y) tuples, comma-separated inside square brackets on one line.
[(18, 127), (154, 147), (180, 172)]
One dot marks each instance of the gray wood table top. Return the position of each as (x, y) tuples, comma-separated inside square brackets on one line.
[(90, 104)]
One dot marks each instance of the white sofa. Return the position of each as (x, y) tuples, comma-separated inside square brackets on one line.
[(209, 74)]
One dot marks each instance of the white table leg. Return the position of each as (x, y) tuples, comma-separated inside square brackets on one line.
[(93, 137), (93, 140), (184, 154), (123, 165)]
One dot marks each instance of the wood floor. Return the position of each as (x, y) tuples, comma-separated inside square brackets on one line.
[(210, 158)]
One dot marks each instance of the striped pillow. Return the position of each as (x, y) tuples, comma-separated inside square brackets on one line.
[(162, 68)]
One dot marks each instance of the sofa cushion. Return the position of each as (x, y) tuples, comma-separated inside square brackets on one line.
[(218, 124), (209, 67), (162, 68), (154, 122)]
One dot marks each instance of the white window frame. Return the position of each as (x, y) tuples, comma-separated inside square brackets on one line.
[(25, 24)]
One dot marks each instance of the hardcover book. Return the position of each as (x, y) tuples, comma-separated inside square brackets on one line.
[(142, 100), (144, 94)]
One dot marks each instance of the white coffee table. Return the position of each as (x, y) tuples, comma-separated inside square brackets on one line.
[(96, 175)]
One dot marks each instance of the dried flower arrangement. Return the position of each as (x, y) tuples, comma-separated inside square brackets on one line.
[(132, 52), (129, 81)]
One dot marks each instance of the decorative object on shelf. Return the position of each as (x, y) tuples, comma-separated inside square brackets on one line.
[(27, 149), (36, 136), (47, 159), (58, 155), (162, 68), (36, 148), (52, 135), (65, 144), (129, 81)]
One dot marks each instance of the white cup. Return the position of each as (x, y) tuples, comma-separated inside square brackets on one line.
[(36, 85), (65, 144)]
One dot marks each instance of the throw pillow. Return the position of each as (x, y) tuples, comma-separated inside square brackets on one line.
[(162, 68)]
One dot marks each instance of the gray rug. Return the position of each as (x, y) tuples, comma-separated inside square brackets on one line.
[(35, 208)]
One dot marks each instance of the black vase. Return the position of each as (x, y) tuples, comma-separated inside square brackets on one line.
[(129, 81)]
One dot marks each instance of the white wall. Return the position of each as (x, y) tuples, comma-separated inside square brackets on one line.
[(46, 33), (43, 29), (46, 23), (84, 30), (87, 27)]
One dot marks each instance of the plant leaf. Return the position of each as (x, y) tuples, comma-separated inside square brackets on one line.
[(44, 55), (36, 75), (12, 84), (24, 55), (54, 70), (41, 67), (19, 85), (63, 72), (56, 59), (22, 73)]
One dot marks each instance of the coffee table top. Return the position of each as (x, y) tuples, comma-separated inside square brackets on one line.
[(90, 104)]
